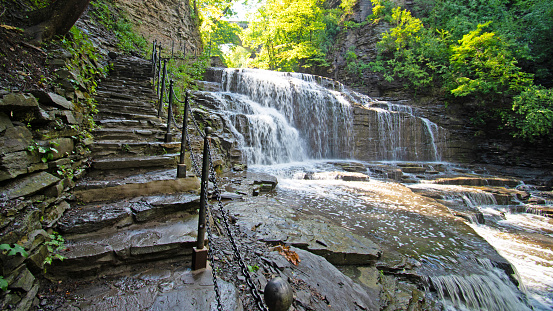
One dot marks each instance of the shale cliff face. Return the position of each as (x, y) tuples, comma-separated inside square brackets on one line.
[(471, 143), (165, 21)]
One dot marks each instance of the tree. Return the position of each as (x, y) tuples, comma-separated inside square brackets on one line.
[(288, 34), (56, 19), (482, 64)]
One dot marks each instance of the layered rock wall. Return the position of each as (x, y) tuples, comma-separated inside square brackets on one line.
[(165, 21)]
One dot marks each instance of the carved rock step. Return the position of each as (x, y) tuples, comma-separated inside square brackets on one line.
[(152, 183), (124, 115), (107, 96), (138, 101), (114, 108), (140, 90), (126, 148), (135, 124), (97, 253), (128, 134), (97, 217), (135, 162)]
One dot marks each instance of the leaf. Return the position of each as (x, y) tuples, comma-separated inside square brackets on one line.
[(12, 251), (289, 254), (18, 249), (3, 283)]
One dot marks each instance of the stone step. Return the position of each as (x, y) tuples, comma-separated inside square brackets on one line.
[(127, 134), (135, 162), (110, 178), (99, 253), (115, 187), (124, 115), (106, 95), (135, 124), (119, 107), (140, 89), (83, 219), (127, 148)]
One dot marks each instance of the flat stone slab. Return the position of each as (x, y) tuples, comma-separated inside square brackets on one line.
[(153, 207), (274, 223), (315, 276), (478, 181), (135, 162), (83, 219), (87, 254), (154, 288), (138, 189), (30, 185)]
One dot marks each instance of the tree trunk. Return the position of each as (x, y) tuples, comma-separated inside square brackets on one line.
[(55, 19)]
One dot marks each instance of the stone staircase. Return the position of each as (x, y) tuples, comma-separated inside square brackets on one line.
[(130, 208)]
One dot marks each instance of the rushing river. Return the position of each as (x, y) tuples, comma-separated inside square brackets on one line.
[(463, 244)]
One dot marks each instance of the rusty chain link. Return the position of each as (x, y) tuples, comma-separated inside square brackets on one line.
[(237, 255), (217, 193)]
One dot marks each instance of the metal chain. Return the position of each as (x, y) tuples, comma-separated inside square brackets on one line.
[(237, 255), (211, 245), (210, 249), (196, 125), (224, 213), (177, 98)]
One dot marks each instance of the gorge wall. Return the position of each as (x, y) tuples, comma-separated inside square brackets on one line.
[(44, 133), (165, 21), (472, 144)]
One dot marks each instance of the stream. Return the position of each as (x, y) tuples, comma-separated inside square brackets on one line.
[(474, 247)]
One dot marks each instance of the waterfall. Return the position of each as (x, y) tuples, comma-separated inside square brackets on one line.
[(286, 117), (491, 290), (321, 116)]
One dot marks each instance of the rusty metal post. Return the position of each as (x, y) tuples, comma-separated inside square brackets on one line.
[(158, 69), (199, 256), (160, 107), (154, 59), (181, 167), (168, 135)]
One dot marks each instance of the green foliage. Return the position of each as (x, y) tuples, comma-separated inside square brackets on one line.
[(290, 34), (534, 113), (107, 14), (238, 57), (55, 246), (3, 283), (9, 250), (253, 269), (83, 51), (405, 33), (46, 153), (184, 72), (482, 65), (462, 53), (85, 72), (66, 172), (219, 36)]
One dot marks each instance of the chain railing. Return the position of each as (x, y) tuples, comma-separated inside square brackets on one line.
[(207, 173)]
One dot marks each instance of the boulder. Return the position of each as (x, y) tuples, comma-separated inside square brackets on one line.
[(64, 146), (30, 185), (17, 102), (17, 163), (16, 138), (54, 100), (5, 122)]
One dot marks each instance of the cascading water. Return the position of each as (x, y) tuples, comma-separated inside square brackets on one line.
[(281, 118), (320, 116), (300, 116)]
